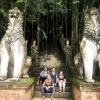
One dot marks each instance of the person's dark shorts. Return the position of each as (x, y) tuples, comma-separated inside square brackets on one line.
[(42, 79)]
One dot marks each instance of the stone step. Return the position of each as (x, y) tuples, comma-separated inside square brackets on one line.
[(66, 76), (37, 71), (38, 88), (67, 95), (68, 82), (36, 74), (50, 98), (57, 69)]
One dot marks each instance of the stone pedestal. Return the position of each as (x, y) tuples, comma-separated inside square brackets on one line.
[(85, 91), (20, 90)]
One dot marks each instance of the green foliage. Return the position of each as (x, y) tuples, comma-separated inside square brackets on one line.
[(32, 9)]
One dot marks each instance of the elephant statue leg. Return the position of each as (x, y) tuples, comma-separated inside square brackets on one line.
[(88, 68), (4, 61), (19, 60), (81, 71), (99, 60), (89, 53)]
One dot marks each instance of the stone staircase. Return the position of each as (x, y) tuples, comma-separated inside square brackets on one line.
[(67, 95)]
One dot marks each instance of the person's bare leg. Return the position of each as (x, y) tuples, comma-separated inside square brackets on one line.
[(64, 85), (43, 97), (60, 86)]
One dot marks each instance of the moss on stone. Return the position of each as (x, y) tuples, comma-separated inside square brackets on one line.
[(81, 82), (97, 82), (78, 81), (29, 81), (24, 82), (17, 84)]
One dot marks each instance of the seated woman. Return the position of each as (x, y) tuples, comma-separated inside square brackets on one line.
[(48, 87), (43, 75), (61, 81)]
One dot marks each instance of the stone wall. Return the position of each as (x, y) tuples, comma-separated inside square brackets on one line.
[(85, 91), (16, 91)]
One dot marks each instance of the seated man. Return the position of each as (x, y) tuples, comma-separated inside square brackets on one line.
[(48, 87), (43, 75), (54, 75), (61, 81)]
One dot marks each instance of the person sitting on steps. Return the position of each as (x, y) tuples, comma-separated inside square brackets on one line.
[(43, 76), (48, 87), (54, 75), (61, 81)]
